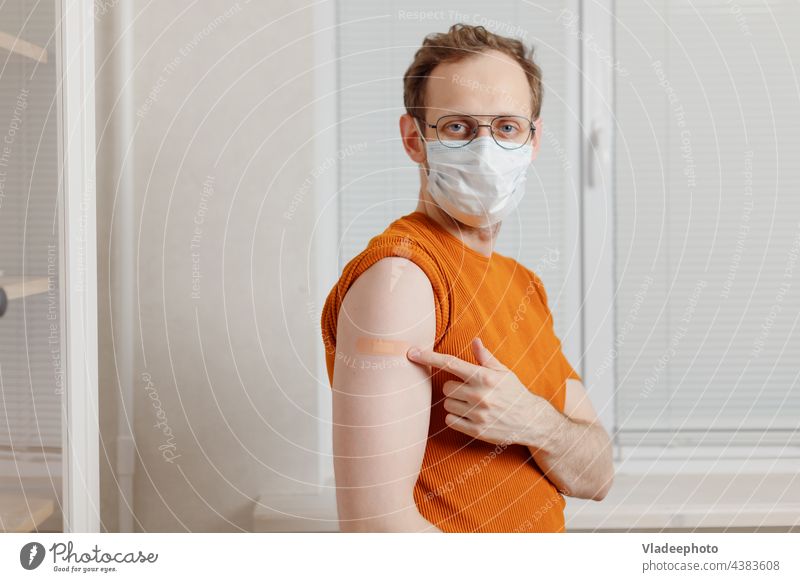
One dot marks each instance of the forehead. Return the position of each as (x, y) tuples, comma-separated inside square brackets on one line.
[(485, 83)]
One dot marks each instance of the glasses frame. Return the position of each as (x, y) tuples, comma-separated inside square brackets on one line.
[(435, 126)]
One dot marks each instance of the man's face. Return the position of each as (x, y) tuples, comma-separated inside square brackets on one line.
[(489, 83)]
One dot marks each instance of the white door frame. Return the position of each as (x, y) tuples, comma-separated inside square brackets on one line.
[(78, 264), (597, 212), (326, 228)]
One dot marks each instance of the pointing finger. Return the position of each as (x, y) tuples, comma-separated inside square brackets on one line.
[(463, 369)]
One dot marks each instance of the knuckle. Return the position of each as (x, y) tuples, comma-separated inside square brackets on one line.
[(481, 403)]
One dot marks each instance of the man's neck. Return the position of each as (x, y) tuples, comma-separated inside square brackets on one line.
[(480, 240)]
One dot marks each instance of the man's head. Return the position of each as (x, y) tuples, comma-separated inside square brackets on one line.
[(468, 70)]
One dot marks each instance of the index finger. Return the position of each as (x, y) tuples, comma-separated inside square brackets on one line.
[(461, 368)]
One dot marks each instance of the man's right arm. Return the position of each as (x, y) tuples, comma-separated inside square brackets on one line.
[(381, 400)]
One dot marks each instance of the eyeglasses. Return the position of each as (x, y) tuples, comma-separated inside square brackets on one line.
[(456, 131)]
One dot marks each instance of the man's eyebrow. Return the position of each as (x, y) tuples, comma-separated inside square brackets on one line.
[(511, 114), (502, 114)]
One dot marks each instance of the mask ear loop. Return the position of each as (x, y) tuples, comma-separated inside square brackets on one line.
[(425, 141)]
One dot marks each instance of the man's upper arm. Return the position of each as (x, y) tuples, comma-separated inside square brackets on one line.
[(381, 400), (577, 405)]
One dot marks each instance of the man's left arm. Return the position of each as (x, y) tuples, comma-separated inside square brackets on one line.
[(573, 449)]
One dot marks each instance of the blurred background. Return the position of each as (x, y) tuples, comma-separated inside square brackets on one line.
[(245, 151)]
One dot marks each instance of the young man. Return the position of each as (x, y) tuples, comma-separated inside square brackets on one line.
[(486, 425)]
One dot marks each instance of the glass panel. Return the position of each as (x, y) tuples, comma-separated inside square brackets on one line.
[(707, 224), (31, 346)]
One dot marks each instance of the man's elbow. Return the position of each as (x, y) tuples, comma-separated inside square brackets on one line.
[(605, 482), (595, 487), (605, 479), (604, 488)]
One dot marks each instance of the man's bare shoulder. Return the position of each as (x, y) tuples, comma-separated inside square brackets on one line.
[(388, 292)]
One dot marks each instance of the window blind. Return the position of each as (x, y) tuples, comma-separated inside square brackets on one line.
[(708, 224), (30, 349)]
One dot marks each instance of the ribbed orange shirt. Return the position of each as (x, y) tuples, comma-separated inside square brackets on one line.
[(465, 484)]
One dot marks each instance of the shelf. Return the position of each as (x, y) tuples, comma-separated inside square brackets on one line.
[(17, 287), (18, 46)]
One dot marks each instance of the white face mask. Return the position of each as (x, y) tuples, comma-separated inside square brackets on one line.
[(480, 183)]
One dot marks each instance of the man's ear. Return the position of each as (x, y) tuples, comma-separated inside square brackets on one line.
[(537, 137), (410, 135)]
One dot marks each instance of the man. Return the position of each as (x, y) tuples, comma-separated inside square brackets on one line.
[(454, 407)]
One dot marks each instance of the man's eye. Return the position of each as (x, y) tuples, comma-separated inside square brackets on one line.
[(455, 128)]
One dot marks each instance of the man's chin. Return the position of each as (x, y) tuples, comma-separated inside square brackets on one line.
[(483, 232)]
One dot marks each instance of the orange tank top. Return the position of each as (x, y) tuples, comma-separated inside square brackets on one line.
[(465, 484)]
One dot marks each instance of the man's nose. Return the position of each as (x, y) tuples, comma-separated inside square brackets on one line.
[(483, 131)]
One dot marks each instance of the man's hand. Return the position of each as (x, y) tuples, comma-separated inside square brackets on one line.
[(490, 403)]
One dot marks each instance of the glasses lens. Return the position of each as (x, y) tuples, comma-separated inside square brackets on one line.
[(456, 130), (511, 132)]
